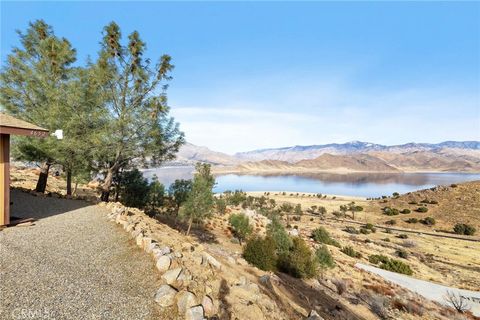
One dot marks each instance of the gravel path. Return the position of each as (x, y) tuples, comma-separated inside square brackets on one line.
[(72, 264)]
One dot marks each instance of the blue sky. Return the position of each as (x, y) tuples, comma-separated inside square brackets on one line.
[(270, 74)]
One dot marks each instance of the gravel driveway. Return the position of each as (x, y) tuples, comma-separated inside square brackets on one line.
[(72, 264)]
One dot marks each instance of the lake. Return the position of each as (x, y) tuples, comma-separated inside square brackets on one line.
[(352, 184)]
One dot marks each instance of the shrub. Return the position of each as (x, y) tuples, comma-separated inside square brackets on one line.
[(402, 253), (156, 193), (370, 227), (324, 258), (299, 261), (413, 202), (397, 266), (405, 211), (386, 239), (377, 258), (351, 230), (221, 206), (453, 185), (364, 231), (134, 188), (277, 232), (429, 221), (422, 209), (395, 194), (412, 220), (402, 236), (433, 202), (241, 226), (390, 211), (408, 244), (391, 222), (261, 253), (349, 251), (466, 229), (341, 285), (321, 235)]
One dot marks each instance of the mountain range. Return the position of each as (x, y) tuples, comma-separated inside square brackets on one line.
[(457, 156)]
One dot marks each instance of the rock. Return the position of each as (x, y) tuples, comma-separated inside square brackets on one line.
[(165, 296), (151, 247), (208, 307), (313, 315), (194, 313), (171, 275), (231, 260), (186, 246), (211, 261), (139, 240), (293, 232), (146, 242), (165, 250), (242, 262), (186, 300), (163, 263)]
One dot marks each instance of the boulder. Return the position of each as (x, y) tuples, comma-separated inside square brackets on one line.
[(313, 315), (186, 300), (208, 306), (171, 275), (165, 296), (211, 261), (194, 313), (163, 263)]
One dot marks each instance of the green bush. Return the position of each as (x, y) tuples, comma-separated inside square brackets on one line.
[(299, 261), (321, 235), (402, 236), (221, 206), (324, 258), (391, 222), (402, 253), (390, 211), (422, 209), (377, 258), (397, 266), (277, 232), (405, 211), (412, 220), (241, 226), (156, 193), (365, 231), (413, 202), (261, 253), (134, 188), (349, 251), (465, 229), (429, 221)]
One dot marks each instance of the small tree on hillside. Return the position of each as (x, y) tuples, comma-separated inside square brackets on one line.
[(354, 208), (200, 201), (180, 190), (277, 232), (156, 193), (134, 189), (241, 226)]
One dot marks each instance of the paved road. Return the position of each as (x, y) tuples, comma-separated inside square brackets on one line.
[(72, 264), (429, 290)]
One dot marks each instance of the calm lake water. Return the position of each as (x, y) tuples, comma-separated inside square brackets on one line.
[(353, 184)]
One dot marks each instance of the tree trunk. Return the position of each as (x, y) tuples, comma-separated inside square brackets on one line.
[(69, 182), (42, 178), (106, 186), (189, 225), (75, 189)]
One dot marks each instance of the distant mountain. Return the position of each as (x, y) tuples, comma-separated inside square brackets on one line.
[(189, 154), (297, 153)]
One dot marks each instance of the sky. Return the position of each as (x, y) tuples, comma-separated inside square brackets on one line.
[(251, 75)]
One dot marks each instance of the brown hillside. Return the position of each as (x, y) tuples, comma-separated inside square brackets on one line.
[(356, 162)]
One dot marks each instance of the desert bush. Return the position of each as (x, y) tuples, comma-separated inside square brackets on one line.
[(235, 198), (368, 240), (396, 266), (422, 209), (377, 258), (408, 306), (324, 258), (321, 235), (453, 185), (391, 222), (386, 239), (370, 227), (351, 230), (378, 306), (465, 229), (221, 206), (390, 211), (349, 251), (403, 236), (429, 221), (299, 261), (241, 226), (402, 253), (383, 290), (433, 202), (277, 232), (341, 285), (413, 202), (395, 194), (411, 220), (261, 253), (405, 211), (364, 231)]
